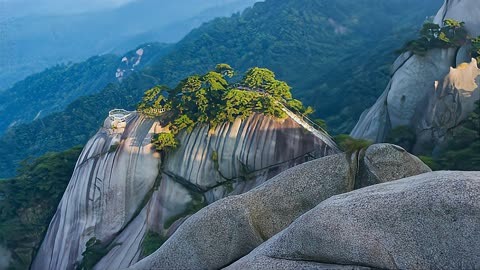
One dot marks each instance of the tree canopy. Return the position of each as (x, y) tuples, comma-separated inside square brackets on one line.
[(452, 34), (211, 99)]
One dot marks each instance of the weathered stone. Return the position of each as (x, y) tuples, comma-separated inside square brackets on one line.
[(112, 195), (228, 229), (385, 162), (451, 101), (430, 93), (461, 10), (115, 171), (269, 263), (429, 221)]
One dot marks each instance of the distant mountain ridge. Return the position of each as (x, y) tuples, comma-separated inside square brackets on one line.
[(304, 42), (35, 42), (53, 89)]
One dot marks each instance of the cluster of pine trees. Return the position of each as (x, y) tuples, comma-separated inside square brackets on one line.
[(215, 98)]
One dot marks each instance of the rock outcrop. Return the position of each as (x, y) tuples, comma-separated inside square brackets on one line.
[(451, 102), (461, 10), (229, 229), (114, 173), (122, 189), (429, 94), (429, 221)]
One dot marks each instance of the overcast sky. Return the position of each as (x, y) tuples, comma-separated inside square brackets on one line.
[(16, 8), (19, 8)]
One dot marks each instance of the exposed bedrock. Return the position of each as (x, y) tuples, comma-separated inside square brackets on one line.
[(424, 89), (461, 10), (115, 171), (429, 221), (232, 227), (450, 102), (121, 189)]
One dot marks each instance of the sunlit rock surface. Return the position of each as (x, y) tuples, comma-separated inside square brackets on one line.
[(121, 189), (451, 102)]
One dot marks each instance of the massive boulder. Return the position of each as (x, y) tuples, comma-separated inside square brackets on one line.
[(122, 189), (426, 90), (230, 228), (429, 221)]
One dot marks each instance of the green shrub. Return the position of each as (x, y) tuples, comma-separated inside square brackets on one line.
[(210, 99), (403, 136), (349, 144), (113, 147), (462, 148), (197, 202), (430, 162), (94, 252), (452, 34), (165, 142), (476, 49), (151, 242), (215, 160)]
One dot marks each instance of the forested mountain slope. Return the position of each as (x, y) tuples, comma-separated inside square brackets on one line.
[(36, 35), (336, 54), (53, 89)]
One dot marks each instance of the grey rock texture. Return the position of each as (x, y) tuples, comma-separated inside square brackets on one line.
[(112, 176), (451, 102), (121, 188), (230, 228), (461, 10), (424, 88), (382, 163), (429, 221), (269, 263)]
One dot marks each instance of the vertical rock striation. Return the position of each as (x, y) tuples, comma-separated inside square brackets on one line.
[(115, 171), (121, 188)]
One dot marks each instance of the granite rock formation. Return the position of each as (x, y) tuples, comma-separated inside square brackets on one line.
[(122, 188), (429, 94), (229, 229), (429, 221)]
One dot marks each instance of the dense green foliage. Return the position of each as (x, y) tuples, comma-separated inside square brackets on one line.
[(28, 202), (53, 89), (462, 148), (151, 242), (210, 99), (165, 141), (94, 252), (451, 35), (403, 136), (476, 48), (335, 56)]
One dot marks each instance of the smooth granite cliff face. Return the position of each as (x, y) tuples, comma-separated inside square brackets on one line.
[(423, 89), (122, 189), (115, 171)]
